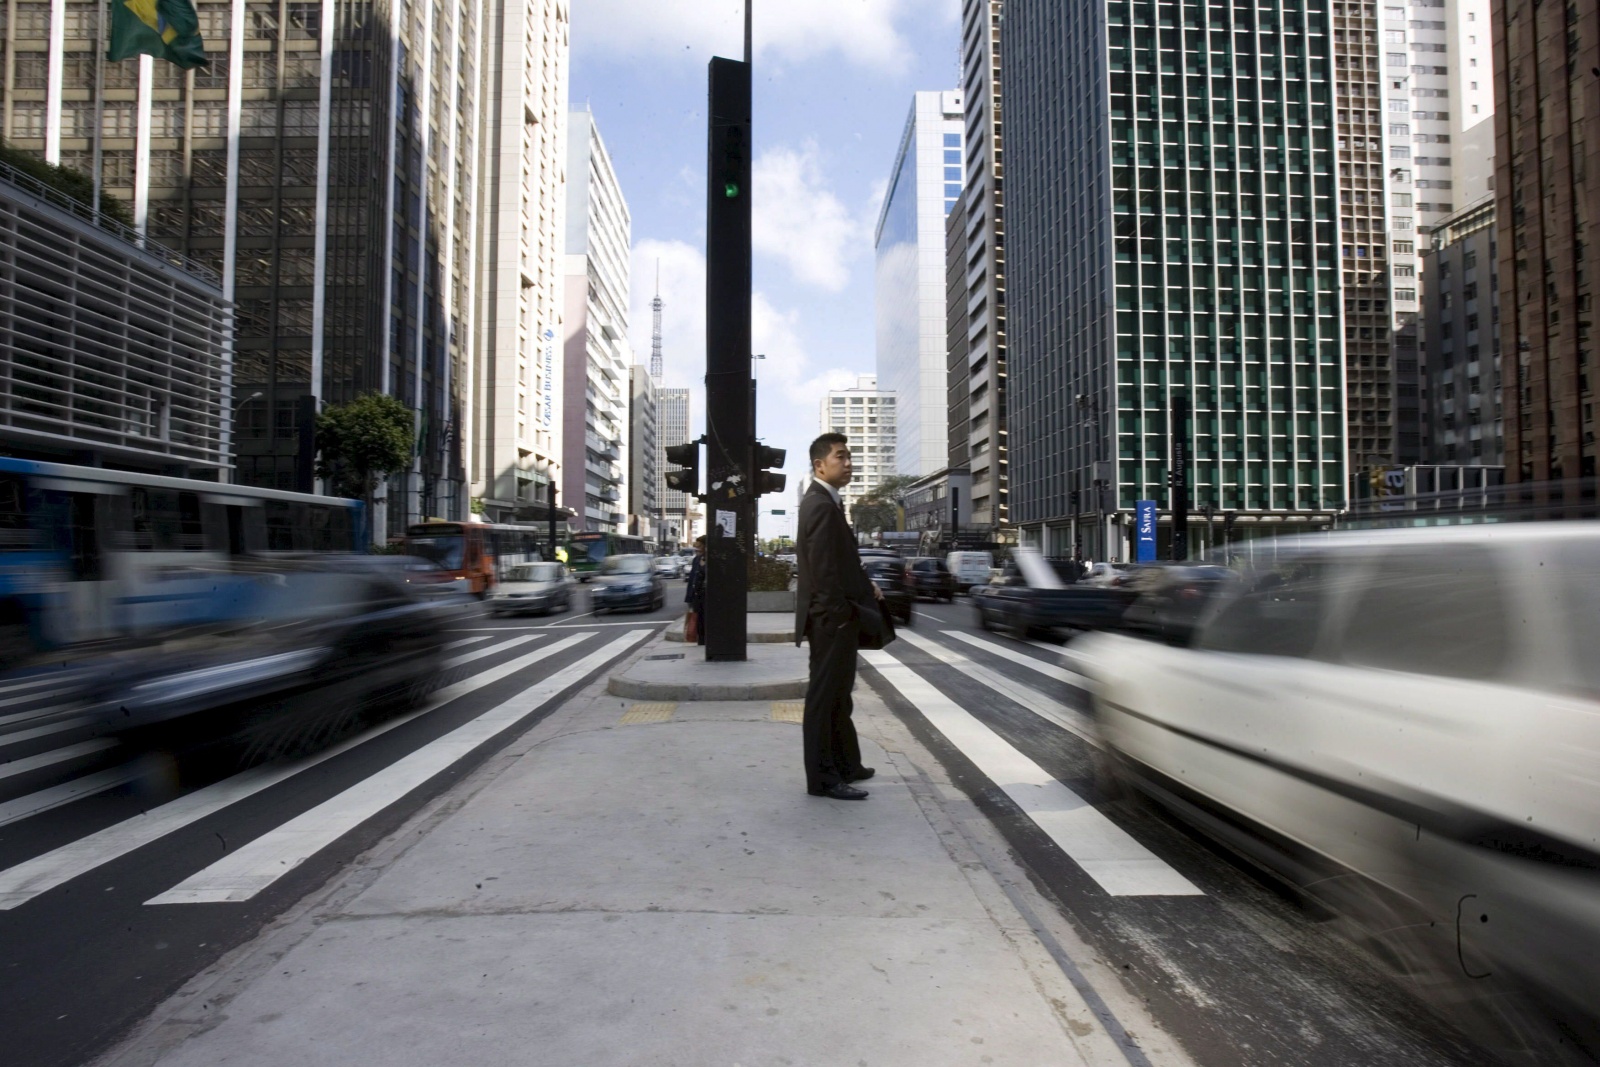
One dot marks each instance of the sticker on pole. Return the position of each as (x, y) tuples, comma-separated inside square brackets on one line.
[(726, 523)]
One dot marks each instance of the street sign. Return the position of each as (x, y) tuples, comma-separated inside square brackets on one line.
[(777, 511), (1146, 530)]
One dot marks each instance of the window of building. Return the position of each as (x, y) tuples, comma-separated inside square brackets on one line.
[(1404, 248)]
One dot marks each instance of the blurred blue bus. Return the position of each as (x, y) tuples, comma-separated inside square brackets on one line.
[(92, 555), (585, 550)]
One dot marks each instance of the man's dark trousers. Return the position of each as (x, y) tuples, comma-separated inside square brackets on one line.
[(832, 753)]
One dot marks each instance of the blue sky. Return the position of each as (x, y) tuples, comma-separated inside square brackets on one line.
[(833, 83)]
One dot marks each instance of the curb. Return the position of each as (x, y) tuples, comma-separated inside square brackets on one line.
[(675, 633)]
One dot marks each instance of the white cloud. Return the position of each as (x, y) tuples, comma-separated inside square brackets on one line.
[(797, 219), (790, 385), (862, 31)]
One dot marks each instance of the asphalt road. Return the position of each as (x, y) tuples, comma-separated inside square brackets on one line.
[(1242, 973), (88, 951), (102, 924)]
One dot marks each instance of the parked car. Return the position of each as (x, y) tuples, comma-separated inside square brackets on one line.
[(930, 577), (1402, 724), (888, 573), (1052, 602), (627, 581), (969, 569), (541, 587), (1169, 598)]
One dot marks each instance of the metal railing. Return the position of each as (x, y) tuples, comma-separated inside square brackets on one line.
[(92, 213)]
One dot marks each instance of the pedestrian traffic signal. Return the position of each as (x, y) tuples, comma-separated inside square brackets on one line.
[(686, 457), (768, 481)]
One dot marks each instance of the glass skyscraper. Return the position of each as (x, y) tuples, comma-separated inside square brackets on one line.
[(1172, 222), (924, 185)]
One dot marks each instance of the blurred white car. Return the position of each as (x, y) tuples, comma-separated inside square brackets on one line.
[(669, 566), (1404, 722)]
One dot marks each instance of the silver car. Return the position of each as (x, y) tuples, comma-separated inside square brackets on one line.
[(541, 587)]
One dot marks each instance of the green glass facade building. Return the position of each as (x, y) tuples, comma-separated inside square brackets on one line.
[(1172, 227)]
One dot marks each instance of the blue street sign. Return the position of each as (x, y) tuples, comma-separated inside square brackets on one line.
[(1146, 517)]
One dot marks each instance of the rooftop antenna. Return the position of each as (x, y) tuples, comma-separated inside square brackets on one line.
[(655, 331)]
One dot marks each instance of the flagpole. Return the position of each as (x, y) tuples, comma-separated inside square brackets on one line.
[(99, 98)]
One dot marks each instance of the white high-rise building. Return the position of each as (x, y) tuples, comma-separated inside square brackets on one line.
[(924, 185), (866, 415), (597, 390), (515, 433), (672, 428)]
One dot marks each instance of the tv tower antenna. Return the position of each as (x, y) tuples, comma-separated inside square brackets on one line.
[(655, 331)]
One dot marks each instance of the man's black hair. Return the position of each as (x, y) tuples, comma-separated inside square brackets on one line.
[(822, 447)]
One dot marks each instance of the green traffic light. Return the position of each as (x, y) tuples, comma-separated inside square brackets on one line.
[(730, 190)]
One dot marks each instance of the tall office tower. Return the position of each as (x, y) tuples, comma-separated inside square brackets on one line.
[(317, 166), (1547, 194), (924, 184), (595, 399), (341, 166), (644, 456), (1171, 224), (672, 428), (1466, 424), (516, 430), (957, 376), (984, 204), (1410, 154), (866, 415)]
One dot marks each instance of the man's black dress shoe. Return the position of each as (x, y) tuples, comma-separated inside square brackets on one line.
[(840, 792), (863, 774)]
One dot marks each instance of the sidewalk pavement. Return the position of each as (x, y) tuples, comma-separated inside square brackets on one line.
[(640, 884)]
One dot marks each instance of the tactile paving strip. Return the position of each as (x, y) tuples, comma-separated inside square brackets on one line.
[(646, 713), (788, 711)]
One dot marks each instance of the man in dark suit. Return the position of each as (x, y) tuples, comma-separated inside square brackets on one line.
[(831, 584)]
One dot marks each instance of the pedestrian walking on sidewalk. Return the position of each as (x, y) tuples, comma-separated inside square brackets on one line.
[(832, 589), (695, 594)]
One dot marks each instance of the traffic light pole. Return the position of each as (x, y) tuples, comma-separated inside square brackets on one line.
[(730, 495)]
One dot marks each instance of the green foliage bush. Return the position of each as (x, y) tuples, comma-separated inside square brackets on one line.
[(72, 183), (768, 575)]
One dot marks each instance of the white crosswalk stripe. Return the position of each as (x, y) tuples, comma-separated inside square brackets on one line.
[(1033, 663), (247, 871), (29, 879), (1106, 853), (469, 657), (1045, 707)]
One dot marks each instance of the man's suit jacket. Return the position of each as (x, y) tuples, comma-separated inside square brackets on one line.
[(830, 567)]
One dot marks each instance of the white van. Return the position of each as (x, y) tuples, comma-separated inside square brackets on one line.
[(970, 569)]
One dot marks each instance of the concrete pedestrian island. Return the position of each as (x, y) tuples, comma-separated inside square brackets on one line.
[(680, 672), (761, 628)]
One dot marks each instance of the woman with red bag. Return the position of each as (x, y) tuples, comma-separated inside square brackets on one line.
[(694, 629)]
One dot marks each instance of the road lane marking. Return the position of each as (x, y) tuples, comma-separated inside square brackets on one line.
[(468, 657), (60, 795), (9, 739), (252, 868), (56, 755), (1045, 707), (26, 880), (1049, 670), (1106, 853), (655, 711), (465, 641), (34, 683)]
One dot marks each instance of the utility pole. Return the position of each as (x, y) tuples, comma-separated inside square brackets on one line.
[(730, 493)]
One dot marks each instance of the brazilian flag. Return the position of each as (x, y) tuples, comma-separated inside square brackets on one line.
[(165, 29)]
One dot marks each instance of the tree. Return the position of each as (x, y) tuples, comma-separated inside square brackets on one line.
[(881, 508), (357, 443)]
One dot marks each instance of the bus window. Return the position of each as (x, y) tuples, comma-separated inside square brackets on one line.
[(280, 526), (140, 523), (14, 531), (191, 531), (85, 537)]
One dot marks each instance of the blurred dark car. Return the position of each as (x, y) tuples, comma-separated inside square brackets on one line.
[(627, 581), (1169, 598), (341, 632), (888, 573), (928, 576), (1011, 603)]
